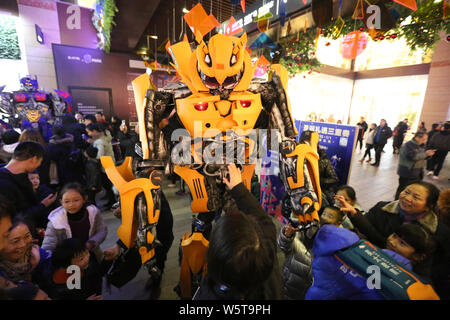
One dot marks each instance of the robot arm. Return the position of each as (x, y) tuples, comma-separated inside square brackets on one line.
[(299, 170)]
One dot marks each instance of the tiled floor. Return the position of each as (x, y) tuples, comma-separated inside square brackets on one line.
[(372, 184)]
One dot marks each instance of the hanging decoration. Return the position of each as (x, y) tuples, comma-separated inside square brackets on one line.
[(263, 41), (261, 66), (353, 44), (243, 5), (263, 25), (282, 12), (359, 11), (337, 27), (288, 28), (198, 20), (411, 4), (103, 21)]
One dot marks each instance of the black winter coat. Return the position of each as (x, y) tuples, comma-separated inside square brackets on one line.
[(297, 268), (385, 134), (19, 190)]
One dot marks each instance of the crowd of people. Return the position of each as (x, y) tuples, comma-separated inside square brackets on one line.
[(53, 194)]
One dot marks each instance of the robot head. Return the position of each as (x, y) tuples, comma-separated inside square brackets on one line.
[(220, 64), (29, 84)]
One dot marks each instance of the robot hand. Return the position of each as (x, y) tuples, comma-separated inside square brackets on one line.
[(299, 173)]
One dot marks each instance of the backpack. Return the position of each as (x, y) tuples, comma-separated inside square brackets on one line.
[(396, 283)]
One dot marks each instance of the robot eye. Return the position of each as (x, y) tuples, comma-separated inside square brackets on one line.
[(233, 60), (208, 60)]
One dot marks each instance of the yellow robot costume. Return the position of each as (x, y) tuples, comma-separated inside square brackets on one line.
[(199, 126)]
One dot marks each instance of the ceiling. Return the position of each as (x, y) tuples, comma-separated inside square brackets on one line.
[(161, 18)]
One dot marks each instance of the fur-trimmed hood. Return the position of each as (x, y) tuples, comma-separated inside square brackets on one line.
[(429, 220)]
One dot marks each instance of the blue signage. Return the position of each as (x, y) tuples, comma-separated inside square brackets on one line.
[(337, 140)]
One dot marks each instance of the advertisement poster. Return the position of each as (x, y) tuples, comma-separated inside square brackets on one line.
[(337, 140), (272, 189)]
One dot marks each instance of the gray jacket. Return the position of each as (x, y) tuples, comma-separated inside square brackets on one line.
[(297, 268), (58, 229)]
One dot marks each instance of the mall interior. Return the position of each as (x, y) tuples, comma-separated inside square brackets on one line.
[(98, 203)]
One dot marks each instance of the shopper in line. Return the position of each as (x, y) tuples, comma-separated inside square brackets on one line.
[(362, 128), (369, 142), (383, 133), (412, 160), (399, 135), (441, 143)]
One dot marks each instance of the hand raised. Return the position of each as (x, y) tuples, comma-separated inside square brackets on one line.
[(235, 176)]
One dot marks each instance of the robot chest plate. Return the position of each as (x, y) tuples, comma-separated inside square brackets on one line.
[(206, 114)]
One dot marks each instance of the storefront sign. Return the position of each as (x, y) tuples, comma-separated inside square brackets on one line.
[(262, 9), (337, 140)]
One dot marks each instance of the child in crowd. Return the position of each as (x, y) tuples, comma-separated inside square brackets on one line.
[(93, 174), (332, 215), (76, 220), (297, 271), (349, 194), (72, 252), (413, 242), (42, 191)]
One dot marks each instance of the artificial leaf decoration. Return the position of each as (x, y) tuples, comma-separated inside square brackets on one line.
[(305, 27), (322, 12), (243, 5), (289, 28), (359, 10), (353, 44), (411, 4), (337, 27)]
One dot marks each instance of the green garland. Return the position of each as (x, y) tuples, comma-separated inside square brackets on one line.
[(104, 12), (9, 41), (423, 32), (299, 55), (426, 24)]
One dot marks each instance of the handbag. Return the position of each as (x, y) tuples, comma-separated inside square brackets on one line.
[(125, 267)]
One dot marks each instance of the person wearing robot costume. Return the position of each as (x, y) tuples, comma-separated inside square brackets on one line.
[(218, 115), (32, 107)]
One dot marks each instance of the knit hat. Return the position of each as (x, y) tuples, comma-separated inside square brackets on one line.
[(92, 151), (10, 140)]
